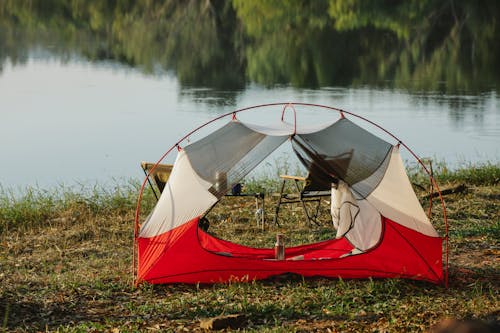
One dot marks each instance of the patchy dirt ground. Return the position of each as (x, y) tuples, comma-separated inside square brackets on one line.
[(73, 273)]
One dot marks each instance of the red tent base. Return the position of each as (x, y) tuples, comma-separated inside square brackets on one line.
[(189, 255)]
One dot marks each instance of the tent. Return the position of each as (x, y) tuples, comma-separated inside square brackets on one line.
[(382, 230)]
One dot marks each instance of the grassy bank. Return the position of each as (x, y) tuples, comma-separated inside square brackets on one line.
[(65, 265)]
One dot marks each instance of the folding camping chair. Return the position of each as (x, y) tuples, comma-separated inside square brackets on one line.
[(307, 192), (318, 182), (159, 175)]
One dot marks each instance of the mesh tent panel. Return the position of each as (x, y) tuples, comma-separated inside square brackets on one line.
[(346, 151), (225, 156)]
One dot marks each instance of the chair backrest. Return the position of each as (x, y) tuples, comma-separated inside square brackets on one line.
[(317, 181), (160, 174), (322, 172)]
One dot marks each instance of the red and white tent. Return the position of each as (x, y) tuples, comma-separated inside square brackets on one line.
[(382, 230)]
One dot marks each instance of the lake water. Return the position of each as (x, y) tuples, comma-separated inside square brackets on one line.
[(77, 122), (90, 89)]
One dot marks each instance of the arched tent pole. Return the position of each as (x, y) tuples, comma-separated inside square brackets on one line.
[(286, 105)]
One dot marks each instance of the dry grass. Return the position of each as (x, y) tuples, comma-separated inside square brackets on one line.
[(71, 271)]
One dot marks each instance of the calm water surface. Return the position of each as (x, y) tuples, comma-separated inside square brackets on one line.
[(89, 89), (78, 122)]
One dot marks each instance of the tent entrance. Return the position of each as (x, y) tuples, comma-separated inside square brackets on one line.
[(233, 228), (329, 249)]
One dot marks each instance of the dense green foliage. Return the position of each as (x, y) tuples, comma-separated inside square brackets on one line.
[(195, 39), (415, 45)]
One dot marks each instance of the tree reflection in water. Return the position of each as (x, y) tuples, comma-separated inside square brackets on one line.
[(418, 45)]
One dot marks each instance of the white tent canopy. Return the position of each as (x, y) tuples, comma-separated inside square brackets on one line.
[(381, 228)]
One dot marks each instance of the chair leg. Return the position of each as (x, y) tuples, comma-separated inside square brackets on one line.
[(316, 211), (277, 208), (302, 201), (260, 211), (263, 213), (257, 217)]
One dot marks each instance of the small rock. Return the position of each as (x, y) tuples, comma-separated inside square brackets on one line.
[(221, 322)]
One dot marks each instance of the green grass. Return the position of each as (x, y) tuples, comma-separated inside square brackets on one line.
[(485, 173), (65, 266), (35, 207)]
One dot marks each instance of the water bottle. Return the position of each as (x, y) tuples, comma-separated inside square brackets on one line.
[(279, 247)]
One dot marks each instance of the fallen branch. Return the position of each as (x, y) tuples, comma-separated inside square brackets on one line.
[(457, 189)]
